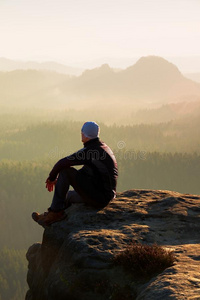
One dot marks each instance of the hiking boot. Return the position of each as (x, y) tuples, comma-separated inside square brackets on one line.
[(49, 217), (36, 216)]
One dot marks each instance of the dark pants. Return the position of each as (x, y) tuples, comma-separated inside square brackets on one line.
[(88, 194)]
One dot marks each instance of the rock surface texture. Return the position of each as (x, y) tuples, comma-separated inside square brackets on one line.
[(74, 260)]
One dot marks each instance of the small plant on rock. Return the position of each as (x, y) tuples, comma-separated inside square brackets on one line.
[(145, 261)]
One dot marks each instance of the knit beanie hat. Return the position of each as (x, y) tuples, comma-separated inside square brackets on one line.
[(90, 130)]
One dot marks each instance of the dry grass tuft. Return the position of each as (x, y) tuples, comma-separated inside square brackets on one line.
[(145, 261)]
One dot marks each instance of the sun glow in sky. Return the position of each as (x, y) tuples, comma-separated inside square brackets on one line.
[(72, 31)]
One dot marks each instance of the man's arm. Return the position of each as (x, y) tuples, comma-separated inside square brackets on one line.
[(77, 158)]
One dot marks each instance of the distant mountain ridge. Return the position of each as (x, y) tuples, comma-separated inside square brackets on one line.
[(11, 65), (151, 80)]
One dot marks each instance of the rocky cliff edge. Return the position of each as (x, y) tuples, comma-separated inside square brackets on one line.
[(74, 260)]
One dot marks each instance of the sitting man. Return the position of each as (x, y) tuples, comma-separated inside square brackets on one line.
[(94, 184)]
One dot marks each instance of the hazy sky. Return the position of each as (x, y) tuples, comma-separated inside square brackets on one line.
[(72, 31)]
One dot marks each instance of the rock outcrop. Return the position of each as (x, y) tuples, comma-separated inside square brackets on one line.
[(75, 262)]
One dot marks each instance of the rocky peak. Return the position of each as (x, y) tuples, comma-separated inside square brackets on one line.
[(98, 72), (154, 69), (155, 64), (74, 260)]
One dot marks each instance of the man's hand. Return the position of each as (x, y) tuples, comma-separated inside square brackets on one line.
[(50, 184)]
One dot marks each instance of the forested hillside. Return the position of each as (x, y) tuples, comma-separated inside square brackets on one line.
[(52, 140), (12, 274)]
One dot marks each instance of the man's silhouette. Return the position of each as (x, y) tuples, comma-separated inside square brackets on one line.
[(94, 184)]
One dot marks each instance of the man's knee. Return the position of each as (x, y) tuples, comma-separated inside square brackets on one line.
[(68, 175)]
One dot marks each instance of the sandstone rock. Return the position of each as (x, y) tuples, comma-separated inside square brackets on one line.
[(74, 260)]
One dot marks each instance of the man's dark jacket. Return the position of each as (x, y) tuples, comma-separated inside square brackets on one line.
[(100, 166)]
